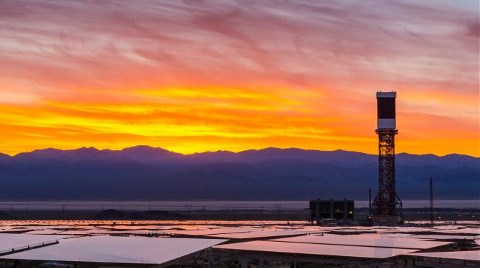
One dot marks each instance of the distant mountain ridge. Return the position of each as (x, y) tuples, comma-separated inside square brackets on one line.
[(150, 155), (147, 173)]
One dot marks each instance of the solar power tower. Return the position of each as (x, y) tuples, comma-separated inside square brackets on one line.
[(387, 202)]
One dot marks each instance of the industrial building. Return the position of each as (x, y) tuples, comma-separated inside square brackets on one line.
[(327, 212)]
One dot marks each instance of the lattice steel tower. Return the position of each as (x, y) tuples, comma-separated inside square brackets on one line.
[(387, 202)]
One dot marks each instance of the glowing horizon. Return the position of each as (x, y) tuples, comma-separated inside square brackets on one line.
[(215, 76)]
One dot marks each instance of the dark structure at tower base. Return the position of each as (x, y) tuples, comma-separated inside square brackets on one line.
[(332, 212)]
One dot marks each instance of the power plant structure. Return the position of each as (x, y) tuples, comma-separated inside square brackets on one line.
[(332, 212), (387, 206)]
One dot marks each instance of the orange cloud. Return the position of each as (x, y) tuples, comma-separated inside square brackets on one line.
[(219, 76)]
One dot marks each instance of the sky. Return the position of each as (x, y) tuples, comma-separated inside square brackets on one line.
[(194, 76)]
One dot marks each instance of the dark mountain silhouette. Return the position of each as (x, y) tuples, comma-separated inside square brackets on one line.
[(149, 155), (146, 173)]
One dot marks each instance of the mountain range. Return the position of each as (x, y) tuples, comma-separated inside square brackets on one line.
[(147, 173)]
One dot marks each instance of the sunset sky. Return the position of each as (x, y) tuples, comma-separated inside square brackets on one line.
[(194, 76)]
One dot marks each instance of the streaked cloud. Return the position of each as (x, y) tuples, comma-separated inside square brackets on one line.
[(209, 75)]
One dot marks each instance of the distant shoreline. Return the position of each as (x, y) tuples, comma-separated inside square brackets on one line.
[(188, 205)]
